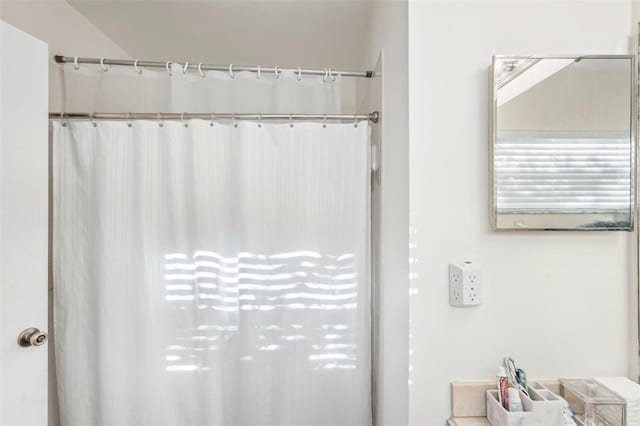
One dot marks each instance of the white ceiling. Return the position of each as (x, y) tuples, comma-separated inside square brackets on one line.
[(285, 33)]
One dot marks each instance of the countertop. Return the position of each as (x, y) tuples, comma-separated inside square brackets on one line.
[(469, 421)]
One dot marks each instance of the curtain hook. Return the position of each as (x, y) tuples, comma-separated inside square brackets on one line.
[(324, 121), (299, 74), (213, 117), (258, 76), (333, 77), (183, 120), (231, 71), (91, 119), (160, 124), (104, 67), (62, 122), (202, 74), (276, 70), (135, 66), (185, 68), (259, 119), (235, 124), (291, 120), (129, 119), (326, 75), (76, 65), (168, 67), (355, 121)]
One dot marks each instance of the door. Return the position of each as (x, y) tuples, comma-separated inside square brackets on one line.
[(23, 225)]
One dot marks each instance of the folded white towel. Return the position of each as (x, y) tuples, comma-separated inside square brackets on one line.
[(627, 390)]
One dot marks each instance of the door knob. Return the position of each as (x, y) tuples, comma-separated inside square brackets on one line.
[(32, 337)]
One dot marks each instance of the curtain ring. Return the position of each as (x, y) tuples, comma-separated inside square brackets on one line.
[(213, 117), (128, 119), (324, 121), (259, 119), (160, 124), (168, 67), (333, 77), (276, 70), (355, 121), (326, 75), (233, 117), (258, 76), (104, 67), (135, 65), (202, 74), (76, 65), (185, 67), (91, 119), (291, 120), (231, 71), (62, 122), (299, 74)]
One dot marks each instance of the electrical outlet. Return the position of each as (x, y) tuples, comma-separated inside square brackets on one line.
[(465, 284)]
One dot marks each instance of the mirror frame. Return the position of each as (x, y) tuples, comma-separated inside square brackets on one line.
[(493, 210)]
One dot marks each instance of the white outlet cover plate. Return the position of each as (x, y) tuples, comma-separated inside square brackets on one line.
[(465, 284)]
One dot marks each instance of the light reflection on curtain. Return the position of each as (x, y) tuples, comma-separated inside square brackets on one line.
[(212, 275)]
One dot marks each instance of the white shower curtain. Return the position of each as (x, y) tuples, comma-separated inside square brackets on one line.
[(212, 275)]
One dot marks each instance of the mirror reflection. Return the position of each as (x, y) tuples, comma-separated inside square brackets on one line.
[(562, 148)]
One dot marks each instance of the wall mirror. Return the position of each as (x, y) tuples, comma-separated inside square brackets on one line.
[(562, 148)]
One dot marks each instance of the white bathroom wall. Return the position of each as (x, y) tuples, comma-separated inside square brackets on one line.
[(388, 93), (65, 30), (317, 33), (558, 302)]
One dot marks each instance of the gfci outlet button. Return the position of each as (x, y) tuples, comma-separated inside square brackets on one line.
[(465, 284)]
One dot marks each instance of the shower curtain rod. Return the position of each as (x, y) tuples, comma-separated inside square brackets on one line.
[(200, 67), (372, 117)]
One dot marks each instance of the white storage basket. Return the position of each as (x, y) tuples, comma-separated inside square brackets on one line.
[(541, 408)]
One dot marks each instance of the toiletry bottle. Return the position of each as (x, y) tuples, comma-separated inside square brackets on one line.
[(513, 396), (502, 387)]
